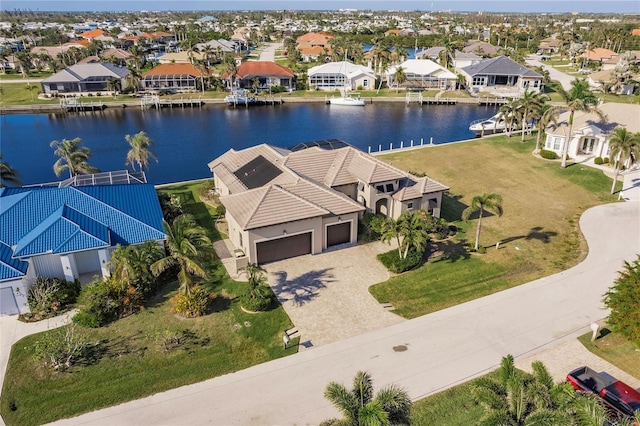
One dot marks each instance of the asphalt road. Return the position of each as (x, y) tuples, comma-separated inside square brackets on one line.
[(424, 355)]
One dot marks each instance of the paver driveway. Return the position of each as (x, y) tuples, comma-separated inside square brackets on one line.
[(326, 295)]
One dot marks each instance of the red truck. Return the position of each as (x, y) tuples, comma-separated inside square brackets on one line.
[(616, 395)]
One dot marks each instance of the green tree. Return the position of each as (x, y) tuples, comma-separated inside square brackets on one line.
[(623, 146), (530, 104), (413, 230), (517, 398), (390, 406), (187, 246), (578, 98), (32, 88), (391, 229), (131, 265), (489, 202), (510, 113), (399, 77), (113, 85), (623, 299), (140, 151), (72, 157), (8, 174)]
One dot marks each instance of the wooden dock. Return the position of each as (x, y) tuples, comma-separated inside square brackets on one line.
[(416, 97), (75, 105), (154, 101)]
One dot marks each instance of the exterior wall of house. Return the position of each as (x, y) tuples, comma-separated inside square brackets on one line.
[(432, 203), (221, 188), (350, 190), (377, 196), (588, 141), (19, 289)]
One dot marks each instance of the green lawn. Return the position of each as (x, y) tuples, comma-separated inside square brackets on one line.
[(128, 361), (615, 349), (538, 232)]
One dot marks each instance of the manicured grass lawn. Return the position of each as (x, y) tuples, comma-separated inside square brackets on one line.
[(129, 361), (538, 232), (615, 349)]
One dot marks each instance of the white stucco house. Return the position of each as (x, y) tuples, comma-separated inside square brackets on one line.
[(422, 74), (341, 76), (590, 135)]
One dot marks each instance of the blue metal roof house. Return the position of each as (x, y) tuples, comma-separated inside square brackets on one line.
[(69, 232)]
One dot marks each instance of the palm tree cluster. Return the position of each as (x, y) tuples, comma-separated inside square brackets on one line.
[(520, 111), (131, 265), (360, 407), (409, 230), (517, 398)]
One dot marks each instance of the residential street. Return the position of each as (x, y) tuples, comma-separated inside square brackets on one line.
[(424, 355), (564, 79)]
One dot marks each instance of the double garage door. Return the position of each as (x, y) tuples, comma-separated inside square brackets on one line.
[(283, 248), (300, 244)]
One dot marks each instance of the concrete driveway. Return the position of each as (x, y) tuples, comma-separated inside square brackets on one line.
[(326, 295), (564, 79)]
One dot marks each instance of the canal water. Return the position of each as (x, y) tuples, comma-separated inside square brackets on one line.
[(187, 139)]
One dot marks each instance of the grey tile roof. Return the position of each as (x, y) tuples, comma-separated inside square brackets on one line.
[(81, 72), (499, 66)]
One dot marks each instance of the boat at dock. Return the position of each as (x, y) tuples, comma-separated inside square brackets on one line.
[(241, 97), (488, 126), (349, 99)]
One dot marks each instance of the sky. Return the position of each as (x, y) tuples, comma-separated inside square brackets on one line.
[(540, 6)]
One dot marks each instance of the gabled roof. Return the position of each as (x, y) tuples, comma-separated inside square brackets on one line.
[(63, 220), (262, 68), (499, 66), (81, 72), (370, 170), (116, 53)]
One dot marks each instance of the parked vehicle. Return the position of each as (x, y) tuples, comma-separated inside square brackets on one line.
[(619, 397)]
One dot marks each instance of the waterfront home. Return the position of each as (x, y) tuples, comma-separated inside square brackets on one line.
[(176, 77), (282, 203), (590, 135), (263, 75), (85, 79), (117, 56), (481, 48), (501, 76), (422, 74), (341, 76), (312, 44), (70, 231)]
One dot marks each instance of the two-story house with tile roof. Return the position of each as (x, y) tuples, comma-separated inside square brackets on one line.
[(282, 203)]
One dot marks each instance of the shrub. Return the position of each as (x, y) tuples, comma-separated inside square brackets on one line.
[(606, 160), (171, 206), (372, 226), (549, 155), (100, 303), (60, 348), (206, 189), (598, 161), (47, 295), (196, 304), (255, 304), (624, 301), (394, 263)]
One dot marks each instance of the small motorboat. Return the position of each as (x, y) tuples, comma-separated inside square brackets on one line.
[(350, 99), (241, 97), (488, 126)]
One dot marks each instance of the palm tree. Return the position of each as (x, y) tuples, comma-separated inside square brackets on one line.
[(113, 85), (72, 157), (187, 244), (491, 202), (231, 68), (510, 114), (32, 88), (8, 174), (390, 230), (413, 230), (546, 115), (391, 405), (399, 77), (518, 398), (131, 265), (623, 146), (578, 98), (139, 152), (530, 104), (258, 288)]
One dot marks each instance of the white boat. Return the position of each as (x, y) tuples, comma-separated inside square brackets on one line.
[(350, 99), (488, 126), (242, 97)]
